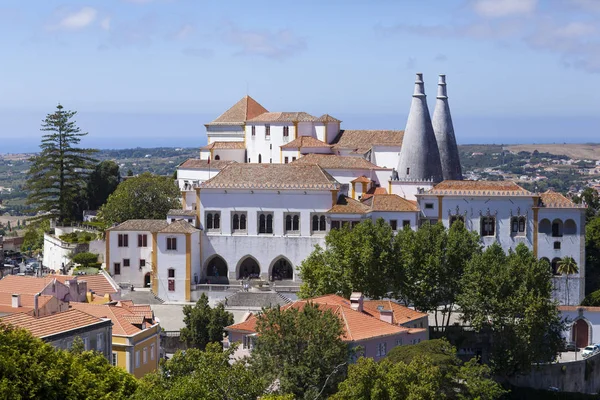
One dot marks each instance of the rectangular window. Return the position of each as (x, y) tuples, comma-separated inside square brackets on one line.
[(142, 263), (239, 222), (265, 222), (517, 226), (318, 223), (152, 348), (213, 221), (100, 341), (335, 225), (115, 359), (123, 240), (292, 224), (145, 355), (286, 131), (137, 359), (126, 262), (253, 132), (171, 273), (556, 245), (488, 226), (394, 224), (142, 240), (117, 268), (406, 223), (171, 243), (285, 160), (398, 342), (429, 206), (293, 159), (381, 349), (86, 343), (171, 285), (268, 131)]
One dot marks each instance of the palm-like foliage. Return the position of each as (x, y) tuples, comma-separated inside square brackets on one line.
[(567, 266)]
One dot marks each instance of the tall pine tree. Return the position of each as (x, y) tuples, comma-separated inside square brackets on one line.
[(59, 172)]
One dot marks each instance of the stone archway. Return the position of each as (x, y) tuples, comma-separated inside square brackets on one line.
[(216, 270), (248, 268), (281, 270), (580, 333)]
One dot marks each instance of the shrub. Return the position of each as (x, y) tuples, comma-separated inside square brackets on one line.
[(86, 259)]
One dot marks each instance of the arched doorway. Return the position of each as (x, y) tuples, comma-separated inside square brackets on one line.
[(147, 279), (580, 333), (282, 270), (216, 270), (249, 269)]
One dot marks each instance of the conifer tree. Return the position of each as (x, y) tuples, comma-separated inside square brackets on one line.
[(59, 172)]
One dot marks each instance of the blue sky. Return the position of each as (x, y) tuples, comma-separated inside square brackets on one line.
[(152, 72)]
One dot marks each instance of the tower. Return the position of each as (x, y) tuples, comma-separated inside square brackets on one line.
[(444, 134), (419, 155)]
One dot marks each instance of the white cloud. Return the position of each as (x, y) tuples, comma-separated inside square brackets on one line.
[(503, 8), (276, 45), (105, 24), (575, 30), (78, 19), (183, 32)]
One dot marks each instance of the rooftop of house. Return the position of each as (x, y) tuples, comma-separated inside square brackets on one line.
[(242, 111), (224, 146), (332, 161), (483, 188), (283, 117), (181, 213), (303, 142), (256, 299), (374, 190), (148, 225), (180, 226), (400, 314), (357, 325), (390, 202), (361, 179), (272, 176), (361, 141), (26, 302), (347, 205), (52, 324), (195, 163), (552, 199), (327, 118), (127, 318), (100, 284)]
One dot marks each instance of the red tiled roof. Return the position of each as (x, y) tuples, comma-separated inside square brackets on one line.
[(483, 188), (194, 163), (552, 199), (389, 202), (99, 284), (283, 117), (120, 316), (332, 161), (361, 141), (401, 314), (304, 141), (53, 324), (27, 284), (361, 179), (242, 111), (26, 302), (347, 205), (327, 118), (224, 146), (375, 190)]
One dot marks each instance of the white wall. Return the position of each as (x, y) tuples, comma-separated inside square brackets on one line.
[(590, 314), (56, 252), (191, 175), (409, 190), (175, 259), (267, 147), (133, 274), (385, 156), (237, 155), (224, 133), (290, 154)]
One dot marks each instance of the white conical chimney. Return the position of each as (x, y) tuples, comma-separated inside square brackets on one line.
[(444, 134)]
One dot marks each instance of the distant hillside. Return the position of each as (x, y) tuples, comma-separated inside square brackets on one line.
[(589, 151)]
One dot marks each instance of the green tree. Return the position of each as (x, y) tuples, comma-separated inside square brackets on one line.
[(590, 197), (32, 369), (567, 266), (145, 196), (129, 172), (85, 259), (207, 375), (301, 349), (509, 297), (34, 235), (103, 180), (592, 255), (359, 259), (59, 172), (203, 324)]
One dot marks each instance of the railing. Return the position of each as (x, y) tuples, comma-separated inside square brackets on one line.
[(215, 287), (170, 333)]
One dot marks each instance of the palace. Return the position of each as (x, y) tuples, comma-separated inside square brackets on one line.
[(268, 187)]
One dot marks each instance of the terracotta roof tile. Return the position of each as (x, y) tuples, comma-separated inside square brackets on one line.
[(194, 163), (390, 202), (272, 176), (53, 324), (361, 179), (117, 314), (375, 190), (331, 161), (242, 111), (283, 117), (361, 141), (401, 314), (249, 325), (327, 118), (182, 213), (99, 284), (304, 141), (551, 199), (347, 205), (576, 308), (224, 146), (27, 303), (150, 225), (26, 284), (481, 188), (180, 226)]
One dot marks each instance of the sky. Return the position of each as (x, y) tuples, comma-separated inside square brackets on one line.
[(145, 73)]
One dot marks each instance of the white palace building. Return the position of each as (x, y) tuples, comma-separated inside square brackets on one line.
[(268, 187)]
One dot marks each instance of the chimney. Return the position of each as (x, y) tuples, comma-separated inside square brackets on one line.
[(16, 300), (356, 301), (444, 134), (386, 315), (36, 312), (419, 154)]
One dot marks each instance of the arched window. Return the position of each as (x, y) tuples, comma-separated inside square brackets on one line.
[(288, 223), (259, 158), (545, 226), (243, 222), (217, 157), (322, 224), (209, 221), (269, 223), (236, 222), (554, 265), (315, 223), (296, 223), (217, 221), (570, 227), (488, 226), (557, 228), (517, 226), (262, 225), (522, 224)]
